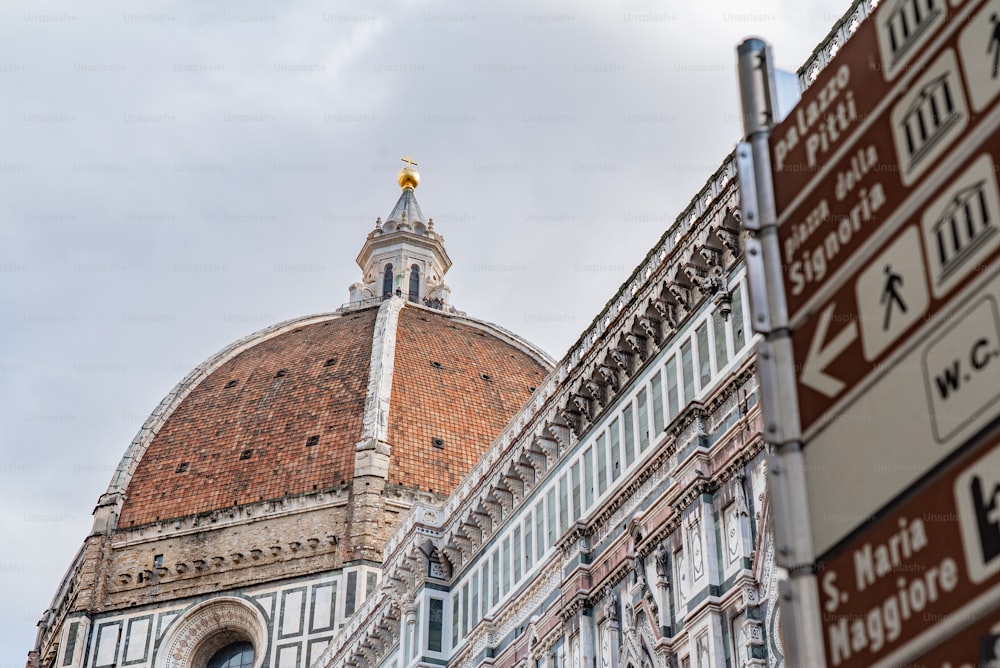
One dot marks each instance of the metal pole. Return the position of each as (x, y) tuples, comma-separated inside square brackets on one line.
[(799, 600)]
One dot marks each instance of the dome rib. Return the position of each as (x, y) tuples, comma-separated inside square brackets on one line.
[(375, 420)]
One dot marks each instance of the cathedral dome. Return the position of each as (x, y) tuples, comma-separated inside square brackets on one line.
[(278, 469), (284, 411)]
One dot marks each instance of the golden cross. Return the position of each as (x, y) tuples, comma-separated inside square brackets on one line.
[(408, 159)]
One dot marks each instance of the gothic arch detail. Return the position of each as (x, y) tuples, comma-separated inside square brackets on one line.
[(635, 649)]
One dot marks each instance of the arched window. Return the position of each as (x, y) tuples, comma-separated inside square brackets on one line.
[(387, 282), (233, 655), (414, 283), (224, 632)]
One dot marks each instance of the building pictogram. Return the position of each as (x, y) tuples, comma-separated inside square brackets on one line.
[(929, 117), (905, 22), (965, 226), (960, 227)]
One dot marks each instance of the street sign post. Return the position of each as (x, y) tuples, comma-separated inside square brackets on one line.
[(873, 260)]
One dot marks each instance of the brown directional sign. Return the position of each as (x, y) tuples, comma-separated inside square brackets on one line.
[(826, 222), (843, 95), (917, 565), (950, 242), (888, 210)]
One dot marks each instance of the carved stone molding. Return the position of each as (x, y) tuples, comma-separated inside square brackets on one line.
[(209, 626)]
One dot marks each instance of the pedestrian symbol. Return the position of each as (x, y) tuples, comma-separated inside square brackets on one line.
[(979, 55), (890, 295), (994, 46)]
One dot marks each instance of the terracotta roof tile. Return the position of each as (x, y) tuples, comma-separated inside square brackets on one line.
[(465, 402), (264, 405)]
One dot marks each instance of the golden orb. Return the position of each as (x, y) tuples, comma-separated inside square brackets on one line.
[(408, 178)]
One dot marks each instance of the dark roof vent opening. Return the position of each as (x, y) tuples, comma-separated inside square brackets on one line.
[(486, 376), (232, 383), (246, 454), (330, 362), (531, 389), (438, 442), (436, 365), (312, 440), (181, 468), (281, 373)]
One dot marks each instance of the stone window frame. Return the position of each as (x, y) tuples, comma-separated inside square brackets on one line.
[(209, 626)]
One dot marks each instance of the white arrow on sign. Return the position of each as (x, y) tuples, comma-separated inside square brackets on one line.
[(814, 370)]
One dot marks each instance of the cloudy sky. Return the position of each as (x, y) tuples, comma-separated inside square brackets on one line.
[(175, 175)]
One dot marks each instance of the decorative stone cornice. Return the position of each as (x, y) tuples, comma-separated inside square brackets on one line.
[(232, 516), (744, 375), (576, 394), (195, 569), (613, 506), (576, 536), (577, 602)]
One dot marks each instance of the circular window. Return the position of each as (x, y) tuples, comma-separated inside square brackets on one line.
[(234, 655)]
